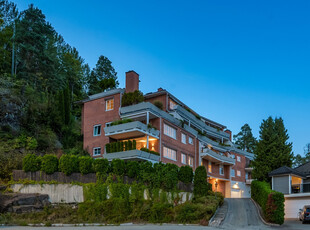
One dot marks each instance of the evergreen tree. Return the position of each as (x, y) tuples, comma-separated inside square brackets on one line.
[(273, 149), (244, 139)]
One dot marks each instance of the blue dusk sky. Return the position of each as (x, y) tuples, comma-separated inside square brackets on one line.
[(234, 62)]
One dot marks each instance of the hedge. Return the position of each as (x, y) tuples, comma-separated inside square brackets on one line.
[(31, 163), (101, 165), (201, 186), (69, 164), (120, 146), (49, 164), (150, 151), (271, 202), (86, 164), (186, 174)]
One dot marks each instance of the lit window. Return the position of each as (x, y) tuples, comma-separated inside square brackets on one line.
[(238, 173), (172, 104), (97, 130), (221, 170), (210, 167), (233, 173), (238, 158), (170, 153), (109, 104), (190, 140), (183, 158), (169, 131), (96, 151), (190, 161), (183, 138)]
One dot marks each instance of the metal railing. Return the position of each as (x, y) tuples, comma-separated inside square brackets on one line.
[(300, 188)]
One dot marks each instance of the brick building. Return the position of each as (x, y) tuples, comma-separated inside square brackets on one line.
[(171, 134)]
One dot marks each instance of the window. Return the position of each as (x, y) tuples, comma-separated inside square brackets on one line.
[(233, 173), (97, 130), (238, 158), (238, 173), (190, 161), (109, 104), (170, 154), (183, 138), (210, 167), (169, 131), (172, 104), (183, 158), (221, 170), (190, 140), (96, 151)]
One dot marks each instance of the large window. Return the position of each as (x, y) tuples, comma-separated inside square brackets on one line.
[(97, 130), (169, 131), (233, 173), (210, 167), (170, 154), (221, 170), (183, 158), (109, 104), (190, 161), (190, 140), (238, 173), (183, 138), (96, 151)]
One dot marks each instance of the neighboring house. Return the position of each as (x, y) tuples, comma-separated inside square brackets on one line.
[(176, 132), (295, 185)]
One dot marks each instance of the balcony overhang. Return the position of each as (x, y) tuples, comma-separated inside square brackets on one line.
[(212, 156), (248, 181), (130, 130), (136, 155)]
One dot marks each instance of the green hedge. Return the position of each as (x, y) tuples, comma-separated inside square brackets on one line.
[(31, 163), (201, 186), (124, 121), (49, 164), (86, 164), (69, 164), (120, 146), (101, 165), (118, 167), (271, 202), (150, 151), (186, 174)]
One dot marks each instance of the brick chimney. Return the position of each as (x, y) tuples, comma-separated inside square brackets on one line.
[(229, 132), (132, 81)]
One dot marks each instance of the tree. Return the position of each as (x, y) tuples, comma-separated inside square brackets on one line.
[(299, 160), (244, 139), (272, 150), (102, 77)]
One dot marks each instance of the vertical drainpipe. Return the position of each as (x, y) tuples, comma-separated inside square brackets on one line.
[(160, 152), (147, 122), (290, 184)]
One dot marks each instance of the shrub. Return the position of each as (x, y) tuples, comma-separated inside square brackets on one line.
[(108, 148), (31, 163), (132, 98), (134, 144), (170, 180), (101, 165), (69, 164), (159, 104), (124, 121), (86, 164), (49, 164), (95, 192), (161, 213), (149, 151), (186, 174), (118, 167), (132, 169), (271, 202), (201, 186)]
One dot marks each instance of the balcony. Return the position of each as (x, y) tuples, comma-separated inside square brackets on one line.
[(133, 155), (301, 188), (130, 130), (212, 156)]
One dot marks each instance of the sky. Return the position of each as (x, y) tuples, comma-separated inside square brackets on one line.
[(234, 62)]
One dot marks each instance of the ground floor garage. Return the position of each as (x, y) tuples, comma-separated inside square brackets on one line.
[(294, 202), (230, 189)]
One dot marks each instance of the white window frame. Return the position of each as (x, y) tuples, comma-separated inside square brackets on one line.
[(106, 104), (170, 131), (221, 169), (238, 173), (95, 126), (183, 138), (183, 158), (94, 151), (190, 140), (169, 153), (210, 167), (190, 160), (238, 158), (233, 173)]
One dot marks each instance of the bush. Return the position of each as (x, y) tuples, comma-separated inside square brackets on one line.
[(49, 164), (201, 186), (101, 165), (150, 151), (170, 180), (186, 174), (132, 169), (69, 164), (31, 163), (95, 192), (86, 164), (132, 98), (118, 167), (271, 202), (159, 104), (161, 213), (124, 121)]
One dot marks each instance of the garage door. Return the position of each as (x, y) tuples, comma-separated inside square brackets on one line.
[(292, 206), (235, 194)]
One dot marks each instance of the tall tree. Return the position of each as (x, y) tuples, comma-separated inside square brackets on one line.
[(273, 149), (102, 77), (245, 139), (299, 160)]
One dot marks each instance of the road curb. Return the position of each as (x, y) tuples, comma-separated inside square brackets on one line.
[(258, 208)]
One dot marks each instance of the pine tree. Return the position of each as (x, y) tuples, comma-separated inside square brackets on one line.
[(244, 139), (273, 149)]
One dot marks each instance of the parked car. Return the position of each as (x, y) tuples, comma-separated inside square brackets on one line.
[(304, 214)]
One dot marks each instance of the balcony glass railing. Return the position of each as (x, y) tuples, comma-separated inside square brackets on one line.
[(301, 188)]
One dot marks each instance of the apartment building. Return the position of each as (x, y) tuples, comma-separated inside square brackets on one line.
[(170, 133)]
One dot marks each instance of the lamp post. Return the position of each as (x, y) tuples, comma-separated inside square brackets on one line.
[(216, 184)]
